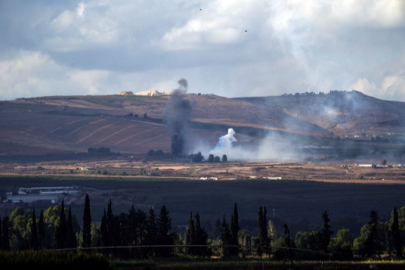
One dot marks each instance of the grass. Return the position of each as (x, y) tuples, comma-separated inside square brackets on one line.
[(195, 263)]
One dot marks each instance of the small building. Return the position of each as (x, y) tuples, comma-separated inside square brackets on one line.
[(367, 165), (150, 93), (126, 93), (273, 178)]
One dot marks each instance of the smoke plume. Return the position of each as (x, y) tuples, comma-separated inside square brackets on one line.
[(273, 147), (182, 89), (176, 116), (226, 142)]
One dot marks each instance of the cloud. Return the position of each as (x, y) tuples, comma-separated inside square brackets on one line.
[(390, 88), (229, 47), (80, 9)]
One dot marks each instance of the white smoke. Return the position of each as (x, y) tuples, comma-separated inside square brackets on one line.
[(226, 142), (273, 147)]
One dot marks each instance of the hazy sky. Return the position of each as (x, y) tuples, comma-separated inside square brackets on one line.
[(229, 48)]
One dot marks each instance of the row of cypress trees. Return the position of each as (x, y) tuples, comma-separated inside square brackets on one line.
[(138, 228)]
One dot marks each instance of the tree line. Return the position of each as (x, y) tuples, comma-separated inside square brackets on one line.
[(150, 235)]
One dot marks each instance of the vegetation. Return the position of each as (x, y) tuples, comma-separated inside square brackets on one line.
[(137, 228), (52, 260)]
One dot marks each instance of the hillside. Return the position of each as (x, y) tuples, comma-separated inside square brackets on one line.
[(343, 113), (134, 124)]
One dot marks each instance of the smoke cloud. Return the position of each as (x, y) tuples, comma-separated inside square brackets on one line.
[(273, 147), (183, 85), (176, 115), (226, 142)]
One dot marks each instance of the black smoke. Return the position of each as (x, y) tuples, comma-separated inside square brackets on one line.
[(183, 86), (176, 115)]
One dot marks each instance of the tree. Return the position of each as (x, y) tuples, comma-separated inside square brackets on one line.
[(325, 233), (19, 231), (164, 237), (384, 162), (71, 241), (224, 158), (33, 231), (341, 246), (396, 235), (225, 237), (201, 237), (190, 236), (263, 238), (177, 144), (234, 230), (371, 245), (41, 231), (5, 233), (61, 229), (107, 226), (87, 223), (104, 231), (151, 231), (217, 159), (211, 158), (197, 157)]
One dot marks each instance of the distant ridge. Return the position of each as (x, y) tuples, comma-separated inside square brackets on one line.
[(134, 123)]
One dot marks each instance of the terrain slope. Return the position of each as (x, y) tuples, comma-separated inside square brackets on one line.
[(135, 124)]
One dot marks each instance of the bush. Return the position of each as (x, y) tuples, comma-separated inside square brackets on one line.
[(52, 260)]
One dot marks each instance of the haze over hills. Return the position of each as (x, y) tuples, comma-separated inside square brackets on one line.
[(134, 124)]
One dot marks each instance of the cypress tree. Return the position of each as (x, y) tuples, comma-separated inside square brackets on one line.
[(151, 231), (190, 237), (263, 238), (110, 224), (260, 231), (5, 234), (33, 231), (87, 223), (396, 235), (41, 231), (236, 218), (326, 233), (371, 240), (61, 229), (225, 237), (234, 229), (201, 237), (71, 241), (164, 237), (104, 231)]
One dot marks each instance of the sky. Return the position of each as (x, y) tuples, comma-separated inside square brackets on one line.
[(231, 48)]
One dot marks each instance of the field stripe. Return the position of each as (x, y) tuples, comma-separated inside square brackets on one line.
[(158, 136), (28, 130), (91, 134), (52, 131), (74, 131), (155, 124), (115, 133), (134, 135)]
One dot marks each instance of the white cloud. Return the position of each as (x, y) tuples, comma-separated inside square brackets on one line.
[(391, 87), (31, 73), (290, 46), (80, 9)]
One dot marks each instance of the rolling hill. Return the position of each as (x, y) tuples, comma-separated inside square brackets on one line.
[(343, 113), (134, 124)]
